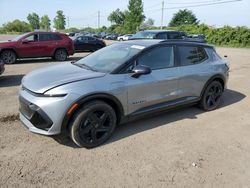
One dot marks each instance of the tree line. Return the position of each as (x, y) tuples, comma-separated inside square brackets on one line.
[(133, 19), (35, 23)]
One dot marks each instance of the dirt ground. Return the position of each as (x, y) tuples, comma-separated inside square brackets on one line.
[(181, 148)]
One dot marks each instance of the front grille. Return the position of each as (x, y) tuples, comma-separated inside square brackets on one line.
[(34, 114)]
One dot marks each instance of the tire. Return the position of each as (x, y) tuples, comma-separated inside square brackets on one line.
[(121, 40), (93, 124), (8, 56), (211, 97), (60, 55)]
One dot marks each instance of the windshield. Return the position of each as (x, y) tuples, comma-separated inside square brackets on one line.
[(144, 35), (109, 58), (19, 37)]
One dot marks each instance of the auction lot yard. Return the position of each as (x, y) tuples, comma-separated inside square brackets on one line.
[(181, 148)]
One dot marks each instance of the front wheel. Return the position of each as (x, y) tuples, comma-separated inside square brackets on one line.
[(212, 96), (8, 57), (60, 55), (93, 124)]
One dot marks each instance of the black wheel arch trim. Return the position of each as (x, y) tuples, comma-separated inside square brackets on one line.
[(98, 96), (59, 48), (9, 48), (217, 76)]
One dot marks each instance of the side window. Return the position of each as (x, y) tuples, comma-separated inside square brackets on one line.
[(45, 37), (82, 39), (190, 55), (91, 39), (162, 36), (158, 58), (56, 37), (174, 36), (32, 38)]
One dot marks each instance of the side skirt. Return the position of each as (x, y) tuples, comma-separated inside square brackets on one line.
[(160, 108)]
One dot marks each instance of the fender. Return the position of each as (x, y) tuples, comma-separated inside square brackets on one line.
[(10, 48), (59, 47), (110, 99), (217, 76)]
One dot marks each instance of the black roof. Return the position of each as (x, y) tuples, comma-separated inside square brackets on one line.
[(151, 42)]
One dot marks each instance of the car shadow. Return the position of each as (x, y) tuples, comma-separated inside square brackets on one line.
[(128, 129), (10, 80)]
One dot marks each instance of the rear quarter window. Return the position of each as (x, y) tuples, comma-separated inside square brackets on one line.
[(174, 36), (190, 55), (56, 37)]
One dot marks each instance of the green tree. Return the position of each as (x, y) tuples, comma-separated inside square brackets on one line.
[(183, 17), (59, 20), (135, 16), (16, 26), (45, 23), (117, 17), (34, 20)]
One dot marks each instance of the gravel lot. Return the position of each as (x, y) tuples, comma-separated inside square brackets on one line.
[(181, 148)]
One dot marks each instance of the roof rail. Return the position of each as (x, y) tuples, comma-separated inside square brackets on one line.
[(185, 40)]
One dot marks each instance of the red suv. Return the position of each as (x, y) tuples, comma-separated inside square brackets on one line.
[(37, 44)]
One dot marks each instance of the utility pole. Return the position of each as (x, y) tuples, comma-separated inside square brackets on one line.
[(68, 21), (162, 14), (98, 19)]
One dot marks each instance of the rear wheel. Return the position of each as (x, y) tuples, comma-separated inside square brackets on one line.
[(212, 96), (60, 55), (93, 124), (8, 56)]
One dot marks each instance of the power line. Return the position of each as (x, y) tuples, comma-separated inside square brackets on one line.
[(195, 2), (205, 4)]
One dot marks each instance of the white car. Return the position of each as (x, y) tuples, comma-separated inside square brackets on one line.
[(124, 37)]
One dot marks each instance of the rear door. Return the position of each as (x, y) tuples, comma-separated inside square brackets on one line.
[(159, 86), (47, 43), (195, 70)]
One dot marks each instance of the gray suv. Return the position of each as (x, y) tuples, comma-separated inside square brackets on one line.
[(119, 83)]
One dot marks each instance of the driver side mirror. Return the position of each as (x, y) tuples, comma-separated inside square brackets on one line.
[(140, 70), (25, 41)]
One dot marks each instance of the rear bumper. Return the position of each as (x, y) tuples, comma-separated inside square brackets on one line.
[(71, 52)]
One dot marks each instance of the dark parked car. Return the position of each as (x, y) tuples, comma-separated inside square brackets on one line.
[(37, 44), (111, 37), (159, 34), (87, 43), (199, 38), (1, 67)]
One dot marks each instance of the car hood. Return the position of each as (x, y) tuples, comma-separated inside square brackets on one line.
[(44, 79)]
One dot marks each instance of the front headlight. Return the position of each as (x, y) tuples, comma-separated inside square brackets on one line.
[(54, 95)]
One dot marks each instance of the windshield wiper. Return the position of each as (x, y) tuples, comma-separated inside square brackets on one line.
[(84, 66)]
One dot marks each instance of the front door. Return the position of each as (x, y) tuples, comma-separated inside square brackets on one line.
[(158, 87), (29, 46)]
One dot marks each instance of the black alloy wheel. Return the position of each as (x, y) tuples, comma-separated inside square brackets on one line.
[(93, 124), (212, 96)]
